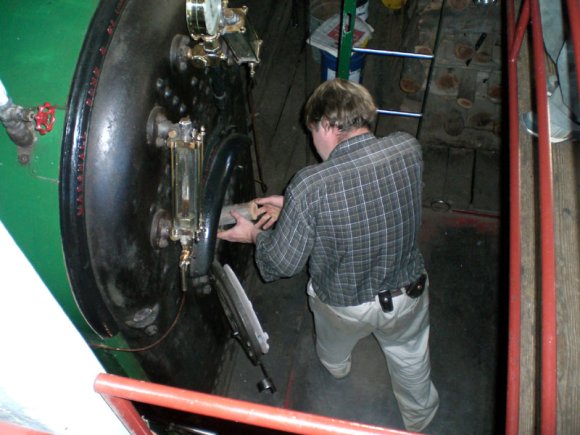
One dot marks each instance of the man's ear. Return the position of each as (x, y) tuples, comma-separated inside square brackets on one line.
[(325, 124)]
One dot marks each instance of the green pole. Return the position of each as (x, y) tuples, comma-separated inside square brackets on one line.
[(346, 32)]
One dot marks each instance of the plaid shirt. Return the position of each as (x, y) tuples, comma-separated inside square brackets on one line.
[(355, 218)]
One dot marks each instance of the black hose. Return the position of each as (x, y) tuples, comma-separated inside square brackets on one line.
[(222, 164)]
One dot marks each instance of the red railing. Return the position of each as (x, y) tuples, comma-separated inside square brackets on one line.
[(530, 14), (13, 429), (120, 393)]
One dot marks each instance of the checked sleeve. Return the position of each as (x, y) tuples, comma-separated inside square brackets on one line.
[(284, 251)]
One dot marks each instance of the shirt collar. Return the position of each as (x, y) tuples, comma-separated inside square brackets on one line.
[(350, 144)]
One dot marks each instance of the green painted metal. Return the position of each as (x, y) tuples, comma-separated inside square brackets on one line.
[(346, 38), (41, 42)]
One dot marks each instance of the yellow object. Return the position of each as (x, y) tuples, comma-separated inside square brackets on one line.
[(394, 4)]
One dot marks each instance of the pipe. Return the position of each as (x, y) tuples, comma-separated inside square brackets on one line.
[(393, 53), (111, 386), (397, 113), (548, 424), (574, 17), (221, 168), (18, 121), (3, 95), (127, 413), (515, 43), (248, 210), (514, 325)]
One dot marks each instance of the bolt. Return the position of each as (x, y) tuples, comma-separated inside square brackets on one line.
[(151, 330), (163, 243)]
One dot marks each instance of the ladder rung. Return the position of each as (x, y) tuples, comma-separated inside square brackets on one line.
[(395, 112), (392, 53)]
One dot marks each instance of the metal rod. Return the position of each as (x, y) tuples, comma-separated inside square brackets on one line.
[(397, 113), (548, 423), (119, 388), (392, 53), (126, 412), (574, 17), (516, 41)]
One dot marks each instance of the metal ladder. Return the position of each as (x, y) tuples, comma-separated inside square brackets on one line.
[(346, 49)]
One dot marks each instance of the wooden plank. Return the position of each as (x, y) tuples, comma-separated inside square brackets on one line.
[(447, 176), (466, 91), (284, 45), (435, 160), (419, 37), (459, 179), (486, 181), (566, 162), (529, 371), (278, 103), (382, 73)]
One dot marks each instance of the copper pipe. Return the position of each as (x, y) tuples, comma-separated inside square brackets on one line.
[(120, 388), (574, 17)]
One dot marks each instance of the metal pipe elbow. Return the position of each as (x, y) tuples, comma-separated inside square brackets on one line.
[(221, 167)]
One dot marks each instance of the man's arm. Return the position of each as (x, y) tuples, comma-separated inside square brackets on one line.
[(281, 252), (247, 232)]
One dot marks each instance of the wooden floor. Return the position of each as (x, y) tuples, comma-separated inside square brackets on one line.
[(566, 197), (462, 252), (467, 254)]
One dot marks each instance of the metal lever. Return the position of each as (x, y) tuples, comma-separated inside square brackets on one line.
[(266, 383)]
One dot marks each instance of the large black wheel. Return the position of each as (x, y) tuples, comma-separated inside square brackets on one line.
[(114, 184)]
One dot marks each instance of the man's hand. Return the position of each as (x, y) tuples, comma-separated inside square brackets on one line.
[(243, 232), (269, 210)]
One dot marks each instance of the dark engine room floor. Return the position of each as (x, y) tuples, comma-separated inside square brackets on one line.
[(462, 252)]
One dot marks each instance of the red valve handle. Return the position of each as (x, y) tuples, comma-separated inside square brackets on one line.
[(44, 118)]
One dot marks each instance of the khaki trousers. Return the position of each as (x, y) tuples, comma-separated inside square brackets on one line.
[(403, 335)]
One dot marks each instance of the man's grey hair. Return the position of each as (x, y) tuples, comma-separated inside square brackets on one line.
[(344, 104)]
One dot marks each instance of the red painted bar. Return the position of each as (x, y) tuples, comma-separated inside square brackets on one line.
[(574, 18), (515, 43), (514, 326), (12, 429), (230, 409), (548, 421), (125, 410)]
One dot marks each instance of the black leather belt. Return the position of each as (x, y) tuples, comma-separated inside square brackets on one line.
[(413, 290), (398, 292)]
